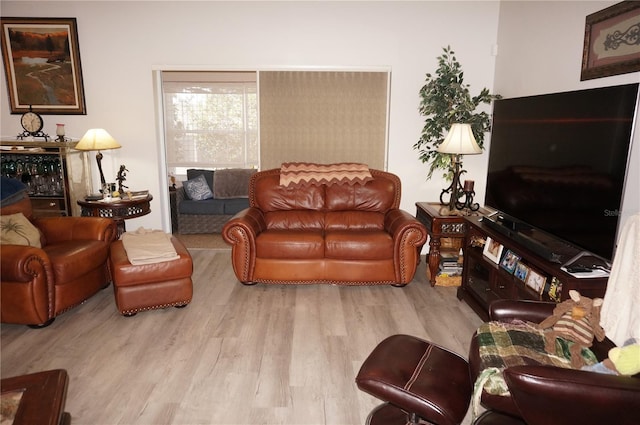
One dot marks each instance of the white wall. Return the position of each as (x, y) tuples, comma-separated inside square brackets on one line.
[(540, 47), (540, 51), (121, 42)]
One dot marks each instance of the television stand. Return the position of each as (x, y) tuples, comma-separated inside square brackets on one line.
[(537, 275)]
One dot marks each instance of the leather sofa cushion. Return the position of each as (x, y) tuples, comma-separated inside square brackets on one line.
[(270, 196), (317, 220), (72, 259), (354, 220), (290, 244), (377, 195), (295, 220), (358, 245)]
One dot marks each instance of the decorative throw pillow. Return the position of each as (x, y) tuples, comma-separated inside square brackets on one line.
[(197, 189), (16, 229), (192, 173)]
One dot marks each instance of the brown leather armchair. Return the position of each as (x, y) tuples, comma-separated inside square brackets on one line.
[(38, 284), (551, 395)]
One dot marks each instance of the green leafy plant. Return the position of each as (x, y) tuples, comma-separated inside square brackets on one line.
[(445, 100)]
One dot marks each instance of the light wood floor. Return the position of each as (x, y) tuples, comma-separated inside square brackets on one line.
[(237, 354)]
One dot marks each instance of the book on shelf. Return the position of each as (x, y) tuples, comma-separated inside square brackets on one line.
[(450, 270), (451, 263)]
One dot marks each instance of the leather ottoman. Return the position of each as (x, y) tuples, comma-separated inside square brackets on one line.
[(150, 286), (419, 380)]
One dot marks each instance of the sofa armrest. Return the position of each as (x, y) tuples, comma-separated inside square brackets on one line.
[(545, 394), (180, 195), (532, 311), (409, 235), (241, 232), (60, 229), (25, 263), (400, 224), (27, 285), (250, 220)]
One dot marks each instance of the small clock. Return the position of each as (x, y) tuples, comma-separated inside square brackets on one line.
[(32, 123)]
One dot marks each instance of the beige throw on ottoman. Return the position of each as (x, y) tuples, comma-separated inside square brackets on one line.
[(153, 281)]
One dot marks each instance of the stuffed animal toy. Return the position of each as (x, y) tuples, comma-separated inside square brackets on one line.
[(623, 360), (577, 320)]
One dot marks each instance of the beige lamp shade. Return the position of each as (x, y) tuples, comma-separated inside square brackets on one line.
[(460, 141), (97, 139)]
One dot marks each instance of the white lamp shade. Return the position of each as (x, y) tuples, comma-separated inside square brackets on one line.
[(97, 139), (460, 141)]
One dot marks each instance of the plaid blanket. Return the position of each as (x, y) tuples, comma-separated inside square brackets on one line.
[(515, 343)]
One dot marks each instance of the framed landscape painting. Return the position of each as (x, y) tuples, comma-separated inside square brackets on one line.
[(42, 65)]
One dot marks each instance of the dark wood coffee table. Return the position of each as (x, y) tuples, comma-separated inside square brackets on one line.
[(43, 397)]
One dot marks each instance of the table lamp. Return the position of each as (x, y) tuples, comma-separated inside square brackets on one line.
[(459, 141), (97, 139)]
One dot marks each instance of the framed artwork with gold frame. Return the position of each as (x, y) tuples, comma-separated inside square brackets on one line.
[(42, 65)]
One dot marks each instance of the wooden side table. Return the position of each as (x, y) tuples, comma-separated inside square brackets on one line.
[(41, 396), (119, 211), (440, 223)]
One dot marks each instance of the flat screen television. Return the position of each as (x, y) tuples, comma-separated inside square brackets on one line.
[(557, 166)]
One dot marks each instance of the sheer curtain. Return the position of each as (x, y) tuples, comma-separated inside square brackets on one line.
[(210, 119)]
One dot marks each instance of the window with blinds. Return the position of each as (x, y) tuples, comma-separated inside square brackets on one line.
[(210, 120)]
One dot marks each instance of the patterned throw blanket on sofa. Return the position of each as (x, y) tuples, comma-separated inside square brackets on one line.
[(515, 343), (300, 174)]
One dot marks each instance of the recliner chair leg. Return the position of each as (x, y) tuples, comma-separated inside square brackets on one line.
[(413, 419)]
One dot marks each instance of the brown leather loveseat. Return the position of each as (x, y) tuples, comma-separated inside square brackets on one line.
[(350, 234)]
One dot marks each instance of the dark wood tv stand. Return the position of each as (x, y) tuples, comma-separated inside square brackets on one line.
[(484, 281)]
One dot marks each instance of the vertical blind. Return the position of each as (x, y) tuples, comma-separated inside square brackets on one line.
[(323, 116)]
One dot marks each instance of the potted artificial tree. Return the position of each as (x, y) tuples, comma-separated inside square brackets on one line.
[(445, 100)]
